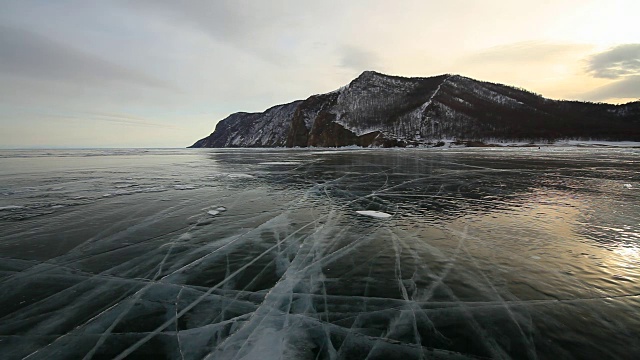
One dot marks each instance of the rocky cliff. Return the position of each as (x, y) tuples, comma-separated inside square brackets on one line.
[(380, 110)]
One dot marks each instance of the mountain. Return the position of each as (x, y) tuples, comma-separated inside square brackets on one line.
[(381, 110)]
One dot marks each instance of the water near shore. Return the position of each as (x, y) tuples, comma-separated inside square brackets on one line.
[(320, 254)]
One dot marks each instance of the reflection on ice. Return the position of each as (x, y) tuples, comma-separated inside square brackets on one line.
[(480, 254)]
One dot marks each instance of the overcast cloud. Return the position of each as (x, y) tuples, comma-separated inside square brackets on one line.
[(621, 64), (617, 62), (527, 52), (24, 53), (628, 88), (359, 60)]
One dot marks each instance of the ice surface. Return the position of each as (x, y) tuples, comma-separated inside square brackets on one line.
[(632, 144), (490, 253)]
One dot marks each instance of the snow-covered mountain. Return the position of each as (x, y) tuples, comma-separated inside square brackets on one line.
[(381, 110)]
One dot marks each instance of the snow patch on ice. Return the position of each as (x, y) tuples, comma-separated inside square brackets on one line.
[(184, 187), (375, 214), (11, 207), (241, 176), (217, 211), (280, 163)]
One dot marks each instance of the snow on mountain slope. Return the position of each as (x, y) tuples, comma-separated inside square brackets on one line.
[(374, 102), (267, 129), (381, 110)]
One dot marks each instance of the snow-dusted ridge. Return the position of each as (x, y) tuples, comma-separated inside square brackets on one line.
[(378, 110)]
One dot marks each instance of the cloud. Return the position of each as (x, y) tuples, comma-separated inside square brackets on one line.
[(526, 51), (126, 119), (358, 59), (627, 88), (84, 116), (220, 19), (619, 61), (268, 30), (27, 54)]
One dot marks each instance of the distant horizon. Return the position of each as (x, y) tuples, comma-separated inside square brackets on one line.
[(627, 142), (94, 147)]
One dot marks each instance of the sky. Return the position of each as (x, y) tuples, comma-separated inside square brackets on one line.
[(162, 73)]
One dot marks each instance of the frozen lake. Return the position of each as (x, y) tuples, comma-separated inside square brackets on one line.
[(320, 254)]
